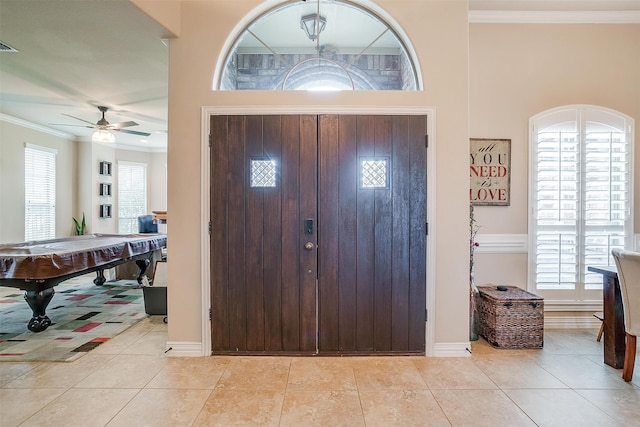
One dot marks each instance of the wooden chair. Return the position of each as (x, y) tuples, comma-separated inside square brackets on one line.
[(600, 316), (628, 265)]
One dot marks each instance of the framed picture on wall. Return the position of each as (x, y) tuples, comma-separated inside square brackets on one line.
[(105, 168), (490, 172), (105, 189), (105, 211)]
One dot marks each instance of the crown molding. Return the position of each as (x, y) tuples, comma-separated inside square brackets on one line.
[(36, 127), (553, 17), (119, 146), (39, 128)]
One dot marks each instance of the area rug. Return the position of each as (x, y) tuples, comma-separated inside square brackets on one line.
[(84, 316)]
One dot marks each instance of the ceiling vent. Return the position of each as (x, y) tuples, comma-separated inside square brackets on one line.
[(6, 48)]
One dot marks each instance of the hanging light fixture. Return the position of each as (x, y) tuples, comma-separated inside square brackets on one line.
[(313, 25), (103, 135)]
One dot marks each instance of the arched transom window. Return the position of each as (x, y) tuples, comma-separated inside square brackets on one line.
[(318, 45)]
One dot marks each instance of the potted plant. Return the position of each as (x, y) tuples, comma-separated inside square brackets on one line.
[(80, 226)]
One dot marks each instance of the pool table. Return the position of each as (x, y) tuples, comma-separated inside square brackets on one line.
[(38, 266)]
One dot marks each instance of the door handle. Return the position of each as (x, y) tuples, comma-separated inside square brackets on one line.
[(308, 226), (309, 246)]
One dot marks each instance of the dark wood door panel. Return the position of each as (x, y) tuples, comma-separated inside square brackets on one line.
[(370, 260), (372, 257), (308, 208), (262, 298), (416, 181), (299, 203)]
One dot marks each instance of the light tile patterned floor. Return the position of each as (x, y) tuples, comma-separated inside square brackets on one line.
[(84, 316), (130, 382)]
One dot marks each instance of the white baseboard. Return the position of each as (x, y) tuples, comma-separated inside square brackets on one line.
[(194, 349), (185, 349), (452, 349), (457, 349)]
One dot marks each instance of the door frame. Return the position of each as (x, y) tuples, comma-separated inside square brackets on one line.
[(205, 202)]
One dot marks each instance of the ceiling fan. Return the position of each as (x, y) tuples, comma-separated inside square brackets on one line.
[(104, 125)]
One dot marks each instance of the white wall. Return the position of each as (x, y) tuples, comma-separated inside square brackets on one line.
[(157, 182), (156, 175), (13, 138), (77, 190)]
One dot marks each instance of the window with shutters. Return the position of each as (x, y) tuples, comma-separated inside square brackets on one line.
[(581, 198), (132, 195), (39, 193)]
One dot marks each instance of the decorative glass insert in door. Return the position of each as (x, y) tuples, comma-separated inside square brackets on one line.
[(263, 173), (374, 173)]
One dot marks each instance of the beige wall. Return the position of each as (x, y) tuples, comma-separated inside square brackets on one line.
[(489, 78), (77, 165), (518, 71), (205, 27)]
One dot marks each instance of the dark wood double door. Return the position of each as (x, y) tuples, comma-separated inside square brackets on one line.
[(318, 234)]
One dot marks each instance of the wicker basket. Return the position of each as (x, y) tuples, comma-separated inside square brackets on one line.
[(511, 319)]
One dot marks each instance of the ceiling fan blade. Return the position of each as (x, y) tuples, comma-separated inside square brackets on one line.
[(122, 125), (66, 124), (134, 132), (78, 118)]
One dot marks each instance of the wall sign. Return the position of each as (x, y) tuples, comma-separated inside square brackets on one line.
[(490, 172)]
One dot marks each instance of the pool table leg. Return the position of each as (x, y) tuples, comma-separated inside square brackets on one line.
[(142, 267), (100, 279), (38, 301)]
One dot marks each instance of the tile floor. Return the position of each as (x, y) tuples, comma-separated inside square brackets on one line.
[(130, 382)]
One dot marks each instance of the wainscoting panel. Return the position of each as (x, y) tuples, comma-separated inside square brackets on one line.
[(502, 243)]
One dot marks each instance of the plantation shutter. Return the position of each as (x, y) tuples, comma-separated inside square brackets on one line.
[(558, 214), (607, 201), (132, 195), (580, 195), (39, 193)]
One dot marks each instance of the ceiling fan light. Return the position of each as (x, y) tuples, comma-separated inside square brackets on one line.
[(103, 135)]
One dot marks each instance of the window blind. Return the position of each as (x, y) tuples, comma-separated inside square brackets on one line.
[(132, 195), (39, 193)]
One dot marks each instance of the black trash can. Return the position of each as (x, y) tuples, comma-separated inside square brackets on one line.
[(155, 299)]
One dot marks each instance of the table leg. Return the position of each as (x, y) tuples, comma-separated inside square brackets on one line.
[(100, 279), (38, 301), (614, 333), (142, 267)]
